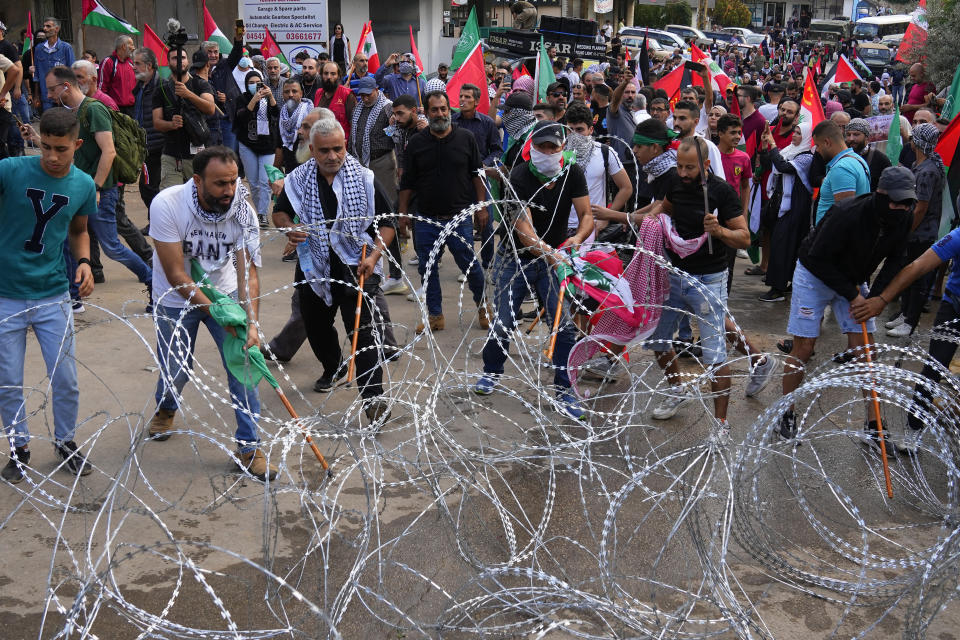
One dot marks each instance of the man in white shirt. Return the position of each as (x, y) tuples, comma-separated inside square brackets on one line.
[(769, 110)]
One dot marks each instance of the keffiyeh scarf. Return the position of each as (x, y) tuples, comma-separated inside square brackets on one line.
[(926, 136), (660, 165), (582, 146), (304, 194), (239, 208), (263, 122), (290, 122), (372, 118), (517, 122)]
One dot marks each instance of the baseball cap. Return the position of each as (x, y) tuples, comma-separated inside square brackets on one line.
[(199, 60), (443, 65), (899, 183), (545, 131), (366, 86), (518, 100)]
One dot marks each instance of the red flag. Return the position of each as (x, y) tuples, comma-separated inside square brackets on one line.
[(519, 72), (368, 46), (735, 105), (696, 54), (470, 72), (269, 48), (153, 42), (810, 108), (416, 54), (671, 84)]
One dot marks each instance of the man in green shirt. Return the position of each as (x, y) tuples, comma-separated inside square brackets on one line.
[(95, 158), (44, 201)]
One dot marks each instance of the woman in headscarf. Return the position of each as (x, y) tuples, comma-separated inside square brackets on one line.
[(255, 125), (524, 83), (339, 48), (712, 118), (791, 200)]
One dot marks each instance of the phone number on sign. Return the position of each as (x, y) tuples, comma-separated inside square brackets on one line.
[(308, 36)]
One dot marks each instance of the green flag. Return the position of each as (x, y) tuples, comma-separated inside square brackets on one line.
[(544, 73), (952, 105), (469, 38), (249, 366), (894, 144)]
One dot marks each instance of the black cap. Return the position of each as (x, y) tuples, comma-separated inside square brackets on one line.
[(546, 131), (555, 86), (519, 100), (443, 65), (899, 183), (199, 60)]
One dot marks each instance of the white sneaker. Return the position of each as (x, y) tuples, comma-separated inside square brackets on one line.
[(742, 253), (719, 433), (413, 260), (394, 286), (420, 294), (78, 307), (461, 278), (909, 443), (760, 376), (896, 322), (678, 396), (902, 330)]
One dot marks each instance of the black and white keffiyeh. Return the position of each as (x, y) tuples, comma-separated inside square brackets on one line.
[(518, 121), (263, 121), (372, 118), (290, 122), (660, 165), (239, 208), (582, 146), (303, 191)]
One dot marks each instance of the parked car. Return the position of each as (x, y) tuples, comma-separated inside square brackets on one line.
[(720, 37), (754, 39), (875, 55), (685, 32), (667, 40), (654, 49), (740, 31)]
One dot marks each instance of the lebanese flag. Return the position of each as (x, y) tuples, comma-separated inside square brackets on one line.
[(269, 48), (718, 78), (153, 42), (470, 72), (28, 37), (810, 108), (212, 32), (97, 15), (915, 37), (416, 54), (368, 46), (600, 276), (841, 71)]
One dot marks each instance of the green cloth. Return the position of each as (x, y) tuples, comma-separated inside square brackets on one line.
[(894, 143), (249, 367), (952, 105), (273, 174), (544, 73)]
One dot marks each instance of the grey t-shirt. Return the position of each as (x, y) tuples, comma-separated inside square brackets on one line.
[(620, 127), (930, 189)]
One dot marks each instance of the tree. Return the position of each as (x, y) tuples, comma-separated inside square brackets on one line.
[(730, 13), (940, 54), (674, 12)]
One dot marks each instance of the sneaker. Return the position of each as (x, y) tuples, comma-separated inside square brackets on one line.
[(377, 411), (569, 405), (417, 296), (760, 376), (742, 254), (70, 454), (601, 368), (255, 463), (678, 396), (413, 260), (394, 286), (871, 439), (773, 295), (161, 424), (290, 257), (325, 384), (909, 444), (788, 426), (719, 433), (78, 307), (264, 223), (13, 472), (484, 386), (483, 316), (896, 322), (461, 278), (902, 330)]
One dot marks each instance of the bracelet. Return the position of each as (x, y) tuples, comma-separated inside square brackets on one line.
[(84, 261), (880, 295)]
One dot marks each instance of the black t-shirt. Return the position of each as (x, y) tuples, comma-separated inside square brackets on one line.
[(687, 201), (599, 119), (8, 49), (176, 143), (440, 171), (549, 208), (860, 101)]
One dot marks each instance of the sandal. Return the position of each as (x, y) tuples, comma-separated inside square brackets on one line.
[(786, 346), (755, 270)]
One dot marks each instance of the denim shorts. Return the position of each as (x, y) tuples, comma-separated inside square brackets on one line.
[(705, 296), (810, 297)]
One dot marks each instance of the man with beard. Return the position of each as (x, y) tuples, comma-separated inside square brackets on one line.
[(847, 174), (856, 133), (208, 220), (274, 81), (836, 261), (403, 81), (659, 109), (700, 286), (332, 195), (86, 73), (223, 87), (358, 69), (334, 96), (168, 101), (309, 82), (95, 157), (47, 54), (557, 95), (148, 81), (753, 122), (620, 126), (292, 114), (117, 75), (441, 168), (685, 119), (551, 184)]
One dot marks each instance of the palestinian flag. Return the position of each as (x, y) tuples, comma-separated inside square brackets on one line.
[(97, 15), (28, 38), (949, 150), (270, 49), (841, 71), (600, 275), (416, 54), (153, 42), (212, 32)]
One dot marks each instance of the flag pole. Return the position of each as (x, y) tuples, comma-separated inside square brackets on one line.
[(356, 320), (876, 409)]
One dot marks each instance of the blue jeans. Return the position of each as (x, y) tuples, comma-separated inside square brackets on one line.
[(52, 322), (460, 243), (176, 338), (104, 225), (257, 177), (226, 131), (21, 108), (512, 280), (705, 296)]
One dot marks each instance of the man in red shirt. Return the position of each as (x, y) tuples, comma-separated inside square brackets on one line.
[(117, 75), (918, 97), (335, 96)]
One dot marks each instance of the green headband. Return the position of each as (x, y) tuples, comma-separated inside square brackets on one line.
[(641, 139)]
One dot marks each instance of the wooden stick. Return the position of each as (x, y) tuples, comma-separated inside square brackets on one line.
[(536, 320), (876, 409), (556, 323), (313, 447), (356, 319)]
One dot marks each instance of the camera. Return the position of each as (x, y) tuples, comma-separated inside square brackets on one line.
[(176, 36)]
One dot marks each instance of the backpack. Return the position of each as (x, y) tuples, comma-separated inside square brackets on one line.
[(129, 141)]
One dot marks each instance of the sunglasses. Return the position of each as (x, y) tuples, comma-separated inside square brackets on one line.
[(558, 94)]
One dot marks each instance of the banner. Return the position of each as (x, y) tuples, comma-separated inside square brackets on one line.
[(603, 6), (296, 26)]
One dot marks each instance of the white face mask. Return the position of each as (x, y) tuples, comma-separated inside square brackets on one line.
[(546, 163)]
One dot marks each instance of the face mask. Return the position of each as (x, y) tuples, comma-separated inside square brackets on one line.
[(252, 88), (405, 68), (291, 105), (546, 163)]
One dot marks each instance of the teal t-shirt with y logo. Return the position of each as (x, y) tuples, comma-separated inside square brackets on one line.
[(35, 214)]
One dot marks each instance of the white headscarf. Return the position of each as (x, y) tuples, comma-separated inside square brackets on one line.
[(806, 142)]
